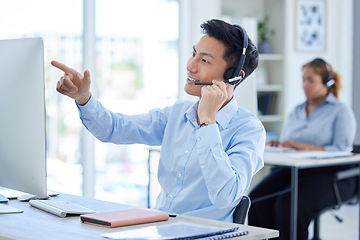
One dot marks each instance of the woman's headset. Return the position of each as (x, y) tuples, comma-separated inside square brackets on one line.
[(328, 81)]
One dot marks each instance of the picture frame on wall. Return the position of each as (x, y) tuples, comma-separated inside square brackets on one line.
[(311, 25)]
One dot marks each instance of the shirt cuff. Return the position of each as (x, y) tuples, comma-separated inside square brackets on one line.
[(208, 136), (89, 108)]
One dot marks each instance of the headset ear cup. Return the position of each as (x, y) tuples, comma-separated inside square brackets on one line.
[(229, 73)]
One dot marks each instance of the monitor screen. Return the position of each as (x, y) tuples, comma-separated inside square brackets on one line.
[(22, 120)]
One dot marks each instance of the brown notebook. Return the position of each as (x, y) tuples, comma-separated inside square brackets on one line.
[(124, 217)]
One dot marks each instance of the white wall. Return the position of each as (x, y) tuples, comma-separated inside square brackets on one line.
[(356, 70), (338, 52), (192, 14)]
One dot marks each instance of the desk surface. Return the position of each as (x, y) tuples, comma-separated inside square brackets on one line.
[(37, 224), (285, 159)]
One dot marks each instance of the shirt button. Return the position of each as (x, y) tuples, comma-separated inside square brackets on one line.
[(187, 152), (171, 195), (179, 175), (202, 166), (198, 139)]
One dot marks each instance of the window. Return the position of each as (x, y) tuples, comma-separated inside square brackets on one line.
[(60, 26), (136, 69)]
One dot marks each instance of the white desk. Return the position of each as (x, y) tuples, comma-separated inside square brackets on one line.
[(37, 224), (283, 160)]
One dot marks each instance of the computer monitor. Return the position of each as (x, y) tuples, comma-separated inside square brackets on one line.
[(22, 119)]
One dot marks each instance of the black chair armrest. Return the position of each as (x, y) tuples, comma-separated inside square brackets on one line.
[(348, 173), (241, 210), (343, 174)]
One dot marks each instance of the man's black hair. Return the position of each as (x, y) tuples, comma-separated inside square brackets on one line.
[(233, 41)]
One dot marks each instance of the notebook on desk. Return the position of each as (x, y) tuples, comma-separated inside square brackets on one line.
[(177, 230), (125, 217)]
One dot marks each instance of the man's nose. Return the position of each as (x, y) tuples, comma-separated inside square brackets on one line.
[(191, 65)]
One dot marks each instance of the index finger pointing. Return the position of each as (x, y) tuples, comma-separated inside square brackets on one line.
[(63, 67)]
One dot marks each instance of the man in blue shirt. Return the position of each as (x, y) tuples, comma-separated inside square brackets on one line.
[(210, 148)]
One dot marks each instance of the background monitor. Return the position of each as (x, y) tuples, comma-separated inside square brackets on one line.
[(22, 120)]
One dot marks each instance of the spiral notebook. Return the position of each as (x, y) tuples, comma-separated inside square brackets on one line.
[(177, 230)]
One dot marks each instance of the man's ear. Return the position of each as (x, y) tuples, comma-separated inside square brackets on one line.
[(242, 73)]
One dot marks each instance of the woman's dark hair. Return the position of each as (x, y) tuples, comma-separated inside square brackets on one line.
[(233, 40), (322, 68)]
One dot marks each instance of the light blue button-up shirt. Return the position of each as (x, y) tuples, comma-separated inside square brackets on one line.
[(202, 171), (331, 125)]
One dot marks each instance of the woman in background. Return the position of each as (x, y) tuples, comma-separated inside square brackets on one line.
[(321, 123)]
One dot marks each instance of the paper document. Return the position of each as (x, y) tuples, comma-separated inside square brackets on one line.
[(177, 230), (320, 154), (4, 208)]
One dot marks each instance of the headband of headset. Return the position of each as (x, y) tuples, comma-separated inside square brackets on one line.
[(328, 81), (233, 75)]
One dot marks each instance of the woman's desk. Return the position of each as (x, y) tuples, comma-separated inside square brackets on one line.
[(295, 163), (37, 224)]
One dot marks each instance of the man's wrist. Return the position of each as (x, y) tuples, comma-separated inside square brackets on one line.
[(84, 99)]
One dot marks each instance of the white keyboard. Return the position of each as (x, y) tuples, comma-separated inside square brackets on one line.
[(279, 149), (59, 208)]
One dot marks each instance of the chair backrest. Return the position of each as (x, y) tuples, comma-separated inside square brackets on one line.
[(241, 210), (338, 176)]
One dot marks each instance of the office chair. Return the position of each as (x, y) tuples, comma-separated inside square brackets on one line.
[(343, 174), (241, 210)]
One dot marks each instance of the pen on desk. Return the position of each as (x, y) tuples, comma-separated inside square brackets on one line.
[(172, 215)]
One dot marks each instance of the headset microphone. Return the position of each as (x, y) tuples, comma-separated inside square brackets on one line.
[(232, 81), (315, 93)]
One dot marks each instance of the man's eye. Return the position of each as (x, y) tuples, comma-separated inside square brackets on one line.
[(193, 54), (204, 60)]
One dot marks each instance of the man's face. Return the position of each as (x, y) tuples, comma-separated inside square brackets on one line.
[(205, 64)]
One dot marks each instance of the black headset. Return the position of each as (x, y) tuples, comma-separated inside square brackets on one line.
[(328, 81), (233, 75)]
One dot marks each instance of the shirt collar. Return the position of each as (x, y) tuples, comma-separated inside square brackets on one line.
[(223, 117), (330, 98)]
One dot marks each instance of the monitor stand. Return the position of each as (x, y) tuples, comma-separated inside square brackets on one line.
[(21, 196), (27, 197)]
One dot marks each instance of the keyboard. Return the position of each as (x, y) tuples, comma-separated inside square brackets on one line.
[(279, 149), (59, 208)]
